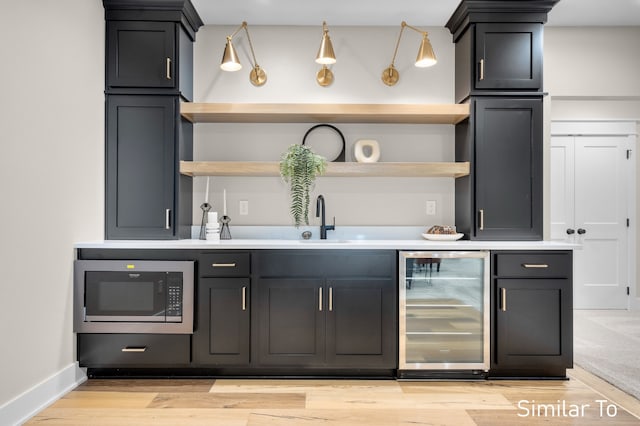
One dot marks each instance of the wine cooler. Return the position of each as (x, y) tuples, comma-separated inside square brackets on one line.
[(444, 314)]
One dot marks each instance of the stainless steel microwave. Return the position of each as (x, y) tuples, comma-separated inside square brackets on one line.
[(119, 296)]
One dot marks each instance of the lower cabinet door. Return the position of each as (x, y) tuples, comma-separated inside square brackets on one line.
[(361, 326), (222, 335), (533, 325), (133, 350), (291, 321)]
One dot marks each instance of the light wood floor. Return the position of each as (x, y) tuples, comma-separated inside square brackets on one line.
[(341, 402)]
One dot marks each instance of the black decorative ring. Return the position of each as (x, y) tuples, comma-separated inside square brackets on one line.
[(340, 156)]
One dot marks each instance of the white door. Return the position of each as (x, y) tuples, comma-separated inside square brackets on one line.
[(589, 206)]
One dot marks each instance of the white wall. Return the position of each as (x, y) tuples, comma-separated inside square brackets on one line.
[(51, 177), (287, 54), (594, 73)]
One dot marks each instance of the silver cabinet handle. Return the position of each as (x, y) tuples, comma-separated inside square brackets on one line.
[(503, 297), (224, 265), (167, 219), (320, 299), (481, 69), (535, 265), (244, 298), (168, 68), (481, 219), (330, 299), (134, 349)]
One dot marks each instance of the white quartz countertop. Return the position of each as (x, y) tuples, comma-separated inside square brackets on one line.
[(357, 244)]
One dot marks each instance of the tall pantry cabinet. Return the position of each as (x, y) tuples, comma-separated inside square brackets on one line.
[(498, 54), (149, 71)]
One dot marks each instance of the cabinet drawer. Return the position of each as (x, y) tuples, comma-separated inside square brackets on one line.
[(132, 350), (533, 264), (229, 264)]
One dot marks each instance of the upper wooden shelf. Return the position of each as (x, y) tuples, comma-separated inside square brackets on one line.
[(317, 113), (272, 168)]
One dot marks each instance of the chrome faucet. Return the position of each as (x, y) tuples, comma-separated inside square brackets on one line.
[(323, 226)]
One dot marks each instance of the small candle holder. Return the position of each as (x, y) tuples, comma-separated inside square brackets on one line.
[(225, 233), (205, 209)]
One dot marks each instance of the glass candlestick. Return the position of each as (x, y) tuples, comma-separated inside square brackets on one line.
[(205, 209), (225, 233)]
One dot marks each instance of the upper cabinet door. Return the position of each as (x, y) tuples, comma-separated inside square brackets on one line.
[(141, 54), (508, 169), (140, 167), (508, 56)]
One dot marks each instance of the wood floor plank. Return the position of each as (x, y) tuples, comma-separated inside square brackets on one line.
[(147, 385), (90, 399), (229, 400), (301, 385), (360, 417), (372, 399), (140, 417), (511, 418)]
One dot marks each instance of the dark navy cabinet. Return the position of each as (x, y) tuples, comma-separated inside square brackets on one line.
[(140, 166), (502, 197), (149, 55), (149, 61), (141, 54), (532, 314), (326, 309), (508, 56), (498, 57), (222, 332)]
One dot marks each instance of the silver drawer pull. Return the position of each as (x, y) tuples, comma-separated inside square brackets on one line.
[(535, 265), (134, 349), (224, 265), (168, 75)]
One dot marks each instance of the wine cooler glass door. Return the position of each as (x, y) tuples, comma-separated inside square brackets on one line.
[(444, 310)]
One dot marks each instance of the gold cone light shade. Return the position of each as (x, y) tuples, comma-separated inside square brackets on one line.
[(426, 57), (230, 61), (325, 55)]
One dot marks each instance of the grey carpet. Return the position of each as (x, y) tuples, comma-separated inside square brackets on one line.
[(607, 344)]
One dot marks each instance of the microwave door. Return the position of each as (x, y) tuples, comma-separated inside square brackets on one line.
[(116, 296)]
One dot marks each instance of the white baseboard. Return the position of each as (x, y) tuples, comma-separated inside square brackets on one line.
[(34, 400)]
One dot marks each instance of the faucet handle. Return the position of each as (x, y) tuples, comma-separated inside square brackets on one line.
[(331, 227)]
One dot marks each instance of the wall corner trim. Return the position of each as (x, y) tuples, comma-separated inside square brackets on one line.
[(29, 403)]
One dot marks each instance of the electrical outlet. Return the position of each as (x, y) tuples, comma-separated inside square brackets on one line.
[(431, 207), (244, 207)]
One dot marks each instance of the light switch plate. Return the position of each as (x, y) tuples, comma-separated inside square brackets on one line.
[(244, 207), (431, 207)]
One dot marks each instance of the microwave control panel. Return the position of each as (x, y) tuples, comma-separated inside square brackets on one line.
[(174, 298)]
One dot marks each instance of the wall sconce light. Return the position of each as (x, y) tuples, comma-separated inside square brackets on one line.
[(325, 56), (231, 62), (425, 58)]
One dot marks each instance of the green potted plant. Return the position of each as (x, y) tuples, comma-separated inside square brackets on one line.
[(299, 167)]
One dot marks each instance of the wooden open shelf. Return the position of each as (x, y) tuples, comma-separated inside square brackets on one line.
[(317, 113), (349, 169)]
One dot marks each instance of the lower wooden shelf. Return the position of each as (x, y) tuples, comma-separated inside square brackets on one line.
[(348, 169)]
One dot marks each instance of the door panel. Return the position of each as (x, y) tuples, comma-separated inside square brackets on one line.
[(600, 193), (291, 319), (361, 318), (589, 193), (508, 169), (561, 188)]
